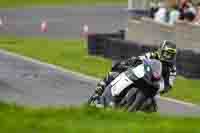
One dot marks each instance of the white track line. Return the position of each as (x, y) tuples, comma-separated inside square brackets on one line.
[(48, 65), (83, 76), (177, 101)]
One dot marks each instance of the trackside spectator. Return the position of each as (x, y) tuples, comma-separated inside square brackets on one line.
[(161, 14), (174, 15), (187, 10), (197, 18), (153, 9)]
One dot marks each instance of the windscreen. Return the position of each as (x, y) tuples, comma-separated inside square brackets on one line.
[(156, 68)]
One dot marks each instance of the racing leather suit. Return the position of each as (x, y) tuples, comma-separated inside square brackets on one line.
[(168, 71), (168, 76)]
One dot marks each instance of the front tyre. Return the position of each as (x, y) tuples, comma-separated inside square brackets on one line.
[(128, 99), (150, 106), (137, 103)]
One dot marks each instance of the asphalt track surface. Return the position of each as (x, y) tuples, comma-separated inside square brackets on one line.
[(63, 22), (32, 83), (29, 82)]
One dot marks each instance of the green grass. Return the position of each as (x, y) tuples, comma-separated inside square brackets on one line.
[(68, 54), (24, 3), (73, 55), (186, 90), (15, 119)]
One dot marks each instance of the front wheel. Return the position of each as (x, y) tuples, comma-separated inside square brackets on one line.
[(128, 99), (149, 106), (137, 103)]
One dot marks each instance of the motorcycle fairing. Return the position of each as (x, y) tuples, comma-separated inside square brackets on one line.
[(119, 84)]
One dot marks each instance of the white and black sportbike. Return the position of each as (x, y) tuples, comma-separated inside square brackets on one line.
[(133, 89)]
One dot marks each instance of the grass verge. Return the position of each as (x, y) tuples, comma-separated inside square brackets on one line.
[(24, 3), (15, 119), (73, 55)]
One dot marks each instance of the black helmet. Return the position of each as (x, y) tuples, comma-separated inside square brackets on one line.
[(167, 51)]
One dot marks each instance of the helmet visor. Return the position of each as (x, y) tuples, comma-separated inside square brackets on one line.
[(168, 55)]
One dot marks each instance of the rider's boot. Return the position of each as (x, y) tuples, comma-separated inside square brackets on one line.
[(100, 88), (103, 83)]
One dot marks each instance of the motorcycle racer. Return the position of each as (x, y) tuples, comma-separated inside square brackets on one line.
[(166, 54)]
